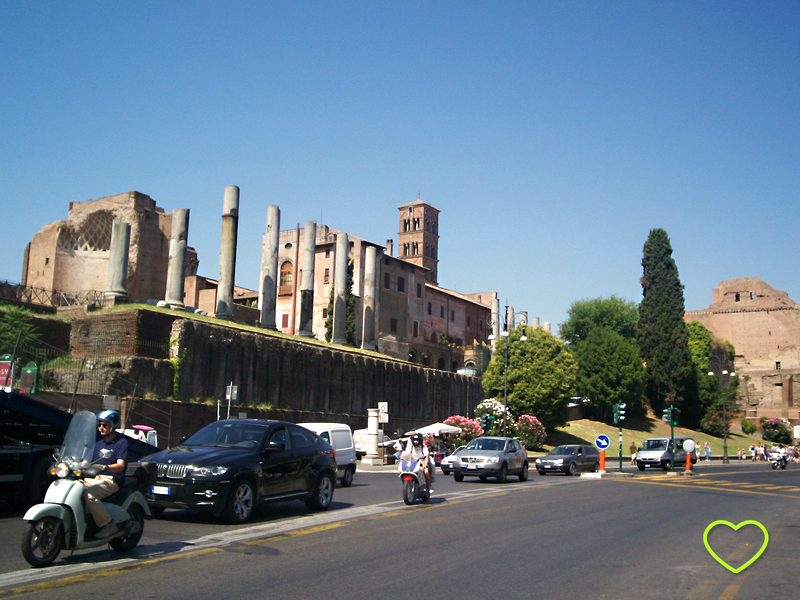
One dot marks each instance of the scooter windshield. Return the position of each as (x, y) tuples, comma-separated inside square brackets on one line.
[(80, 438)]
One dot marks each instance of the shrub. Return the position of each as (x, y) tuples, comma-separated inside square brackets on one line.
[(775, 430), (495, 408), (470, 429), (713, 423), (531, 431), (748, 427)]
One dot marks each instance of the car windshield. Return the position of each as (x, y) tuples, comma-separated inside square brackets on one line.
[(654, 445), (562, 450), (224, 434), (486, 444)]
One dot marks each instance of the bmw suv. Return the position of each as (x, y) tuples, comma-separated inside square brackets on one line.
[(229, 467)]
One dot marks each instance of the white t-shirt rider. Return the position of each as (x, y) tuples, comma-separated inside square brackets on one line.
[(415, 452)]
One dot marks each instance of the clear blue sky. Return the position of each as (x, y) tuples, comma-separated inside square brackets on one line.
[(552, 135)]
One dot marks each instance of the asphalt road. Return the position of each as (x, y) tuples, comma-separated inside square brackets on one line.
[(551, 537)]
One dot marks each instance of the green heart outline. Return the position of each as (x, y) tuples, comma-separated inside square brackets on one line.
[(736, 528)]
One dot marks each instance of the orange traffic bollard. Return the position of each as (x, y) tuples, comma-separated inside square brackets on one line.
[(688, 461), (602, 461)]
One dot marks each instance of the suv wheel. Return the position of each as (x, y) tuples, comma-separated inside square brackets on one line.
[(502, 475), (322, 496), (241, 500), (523, 475)]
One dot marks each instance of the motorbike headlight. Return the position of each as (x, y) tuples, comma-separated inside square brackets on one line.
[(214, 471), (62, 470), (493, 459)]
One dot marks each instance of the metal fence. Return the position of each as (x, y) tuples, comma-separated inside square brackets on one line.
[(62, 374), (43, 297)]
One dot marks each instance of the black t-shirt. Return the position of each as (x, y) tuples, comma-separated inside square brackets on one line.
[(108, 453)]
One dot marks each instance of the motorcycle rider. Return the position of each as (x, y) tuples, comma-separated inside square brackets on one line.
[(780, 452), (417, 451), (111, 451)]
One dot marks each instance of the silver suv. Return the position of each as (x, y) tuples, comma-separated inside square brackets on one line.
[(492, 457)]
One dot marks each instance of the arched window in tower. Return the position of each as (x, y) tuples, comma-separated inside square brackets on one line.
[(286, 281)]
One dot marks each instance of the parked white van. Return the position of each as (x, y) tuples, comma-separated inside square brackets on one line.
[(362, 435), (340, 437)]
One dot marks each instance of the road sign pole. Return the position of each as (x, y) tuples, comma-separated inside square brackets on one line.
[(620, 448)]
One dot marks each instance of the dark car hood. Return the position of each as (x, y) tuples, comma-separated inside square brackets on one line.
[(200, 455)]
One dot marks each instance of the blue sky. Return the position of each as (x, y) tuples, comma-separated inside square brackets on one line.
[(551, 135)]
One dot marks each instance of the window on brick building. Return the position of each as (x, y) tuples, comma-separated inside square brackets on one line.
[(387, 281), (468, 320), (416, 328), (430, 308), (778, 365), (284, 321), (452, 315), (441, 312), (401, 285), (419, 290), (327, 278), (393, 325)]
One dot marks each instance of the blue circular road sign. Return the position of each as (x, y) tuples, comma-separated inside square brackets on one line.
[(602, 442)]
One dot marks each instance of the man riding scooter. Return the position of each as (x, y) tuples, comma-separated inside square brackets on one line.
[(417, 451), (111, 451)]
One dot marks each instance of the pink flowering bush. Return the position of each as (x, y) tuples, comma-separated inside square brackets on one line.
[(776, 430), (531, 431), (470, 429)]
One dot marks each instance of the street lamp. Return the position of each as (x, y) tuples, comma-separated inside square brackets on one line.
[(505, 380), (723, 380)]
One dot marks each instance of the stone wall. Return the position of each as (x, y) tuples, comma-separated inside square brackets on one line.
[(277, 377), (306, 380)]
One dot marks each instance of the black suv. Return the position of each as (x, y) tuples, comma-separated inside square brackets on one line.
[(228, 467)]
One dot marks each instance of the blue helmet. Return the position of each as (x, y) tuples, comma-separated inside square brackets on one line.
[(111, 416)]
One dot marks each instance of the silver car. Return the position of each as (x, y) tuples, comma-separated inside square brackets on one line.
[(492, 457), (448, 461)]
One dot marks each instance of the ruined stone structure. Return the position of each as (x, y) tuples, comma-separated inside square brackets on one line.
[(73, 255), (763, 324)]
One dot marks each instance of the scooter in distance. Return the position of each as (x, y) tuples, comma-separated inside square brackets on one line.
[(414, 485), (778, 460), (63, 522)]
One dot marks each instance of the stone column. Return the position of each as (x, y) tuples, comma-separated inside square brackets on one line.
[(227, 253), (177, 257), (509, 318), (269, 268), (535, 322), (340, 290), (495, 320), (371, 278), (372, 457), (117, 286), (307, 281), (546, 325)]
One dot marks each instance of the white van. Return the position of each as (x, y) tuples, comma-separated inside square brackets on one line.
[(655, 453), (362, 435), (340, 437)]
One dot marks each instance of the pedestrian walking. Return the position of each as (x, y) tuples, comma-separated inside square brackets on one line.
[(632, 450), (708, 452)]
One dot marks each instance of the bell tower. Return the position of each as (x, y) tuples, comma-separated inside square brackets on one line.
[(418, 237)]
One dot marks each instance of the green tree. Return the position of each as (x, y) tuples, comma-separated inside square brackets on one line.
[(13, 321), (350, 311), (611, 313), (610, 371), (600, 334), (661, 331), (709, 354), (541, 376)]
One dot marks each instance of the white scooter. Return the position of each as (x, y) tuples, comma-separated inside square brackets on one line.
[(62, 520), (778, 460), (415, 487)]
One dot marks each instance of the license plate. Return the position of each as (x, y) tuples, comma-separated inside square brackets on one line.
[(161, 489), (472, 466)]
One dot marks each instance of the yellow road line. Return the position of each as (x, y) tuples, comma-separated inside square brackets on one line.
[(99, 574), (720, 489)]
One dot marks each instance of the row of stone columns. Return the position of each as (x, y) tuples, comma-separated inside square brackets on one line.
[(268, 286)]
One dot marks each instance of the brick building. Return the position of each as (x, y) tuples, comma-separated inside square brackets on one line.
[(72, 255), (763, 324)]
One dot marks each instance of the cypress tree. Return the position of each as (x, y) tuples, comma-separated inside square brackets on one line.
[(661, 331)]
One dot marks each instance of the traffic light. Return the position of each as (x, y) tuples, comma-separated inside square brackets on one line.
[(485, 423), (615, 410), (667, 416), (622, 412), (671, 415), (675, 413)]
